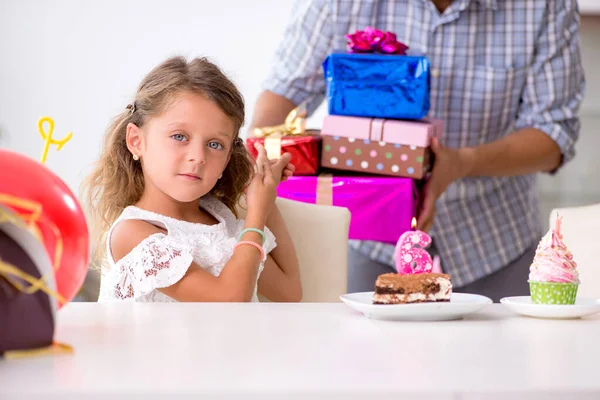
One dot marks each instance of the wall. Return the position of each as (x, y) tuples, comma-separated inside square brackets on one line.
[(80, 62), (578, 182)]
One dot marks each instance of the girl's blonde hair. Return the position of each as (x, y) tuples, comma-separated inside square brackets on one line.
[(117, 180)]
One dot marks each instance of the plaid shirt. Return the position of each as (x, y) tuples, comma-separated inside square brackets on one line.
[(496, 66)]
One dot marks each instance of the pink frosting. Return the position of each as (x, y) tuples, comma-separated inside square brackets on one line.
[(553, 262)]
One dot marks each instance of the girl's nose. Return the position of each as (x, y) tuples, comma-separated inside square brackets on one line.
[(198, 155)]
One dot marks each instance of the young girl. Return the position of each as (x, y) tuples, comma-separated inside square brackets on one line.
[(166, 188)]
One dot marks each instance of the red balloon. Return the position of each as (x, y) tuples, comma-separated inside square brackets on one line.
[(45, 202)]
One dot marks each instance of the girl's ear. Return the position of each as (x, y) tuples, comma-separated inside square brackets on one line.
[(133, 138)]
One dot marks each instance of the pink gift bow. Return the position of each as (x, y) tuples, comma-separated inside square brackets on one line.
[(375, 41)]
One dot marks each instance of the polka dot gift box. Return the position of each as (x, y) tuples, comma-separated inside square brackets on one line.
[(378, 146)]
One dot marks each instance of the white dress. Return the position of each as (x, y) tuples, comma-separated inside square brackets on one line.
[(161, 259)]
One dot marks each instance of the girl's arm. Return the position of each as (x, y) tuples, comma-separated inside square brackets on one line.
[(280, 279), (235, 283)]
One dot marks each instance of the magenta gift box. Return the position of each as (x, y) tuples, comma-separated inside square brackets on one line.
[(382, 208)]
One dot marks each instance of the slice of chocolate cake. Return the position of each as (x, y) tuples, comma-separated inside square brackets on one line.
[(394, 288)]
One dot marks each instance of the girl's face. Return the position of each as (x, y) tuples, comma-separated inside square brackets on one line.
[(185, 149)]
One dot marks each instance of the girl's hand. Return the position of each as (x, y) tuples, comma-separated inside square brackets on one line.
[(282, 169), (262, 191), (287, 171)]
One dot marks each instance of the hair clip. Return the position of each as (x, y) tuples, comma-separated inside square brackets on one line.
[(131, 108)]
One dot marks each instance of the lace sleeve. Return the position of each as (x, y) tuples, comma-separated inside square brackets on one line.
[(157, 262)]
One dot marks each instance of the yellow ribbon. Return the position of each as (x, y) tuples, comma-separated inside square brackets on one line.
[(35, 210), (25, 221), (48, 137), (9, 272), (54, 349), (294, 124)]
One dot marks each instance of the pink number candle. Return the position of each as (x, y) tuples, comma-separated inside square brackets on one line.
[(411, 256)]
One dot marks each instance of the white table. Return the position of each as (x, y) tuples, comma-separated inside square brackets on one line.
[(293, 351)]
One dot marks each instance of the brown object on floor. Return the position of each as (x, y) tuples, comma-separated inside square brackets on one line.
[(393, 288)]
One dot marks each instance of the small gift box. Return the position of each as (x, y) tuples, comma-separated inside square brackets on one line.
[(376, 79), (290, 137), (382, 208), (379, 146)]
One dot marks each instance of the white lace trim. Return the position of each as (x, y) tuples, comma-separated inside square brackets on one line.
[(156, 262), (163, 259)]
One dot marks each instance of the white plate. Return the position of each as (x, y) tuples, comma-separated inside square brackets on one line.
[(460, 304), (522, 305)]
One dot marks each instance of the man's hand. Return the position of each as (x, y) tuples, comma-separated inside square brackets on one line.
[(450, 165)]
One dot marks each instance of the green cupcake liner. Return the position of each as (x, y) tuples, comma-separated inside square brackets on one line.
[(553, 293)]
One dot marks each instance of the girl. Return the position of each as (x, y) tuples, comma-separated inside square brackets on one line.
[(165, 190)]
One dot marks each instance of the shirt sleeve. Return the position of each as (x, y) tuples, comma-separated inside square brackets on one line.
[(296, 69), (156, 262), (555, 83)]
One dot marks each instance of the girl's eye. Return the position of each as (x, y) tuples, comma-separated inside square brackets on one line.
[(215, 145), (179, 137)]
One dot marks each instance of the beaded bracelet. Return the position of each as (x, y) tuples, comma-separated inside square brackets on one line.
[(253, 244), (264, 237)]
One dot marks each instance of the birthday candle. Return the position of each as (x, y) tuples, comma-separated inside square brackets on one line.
[(410, 254)]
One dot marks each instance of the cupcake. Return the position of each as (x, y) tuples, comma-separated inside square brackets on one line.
[(553, 275)]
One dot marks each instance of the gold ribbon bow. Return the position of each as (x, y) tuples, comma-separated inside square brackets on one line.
[(294, 125)]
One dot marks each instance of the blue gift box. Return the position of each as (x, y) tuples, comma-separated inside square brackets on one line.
[(377, 85)]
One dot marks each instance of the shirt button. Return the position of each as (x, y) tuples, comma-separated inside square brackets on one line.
[(435, 73)]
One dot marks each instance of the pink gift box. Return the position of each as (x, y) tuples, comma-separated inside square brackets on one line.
[(411, 133), (381, 208)]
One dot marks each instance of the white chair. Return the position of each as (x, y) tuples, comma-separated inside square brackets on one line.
[(580, 226), (320, 235)]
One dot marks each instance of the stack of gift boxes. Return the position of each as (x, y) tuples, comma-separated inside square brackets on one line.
[(373, 146)]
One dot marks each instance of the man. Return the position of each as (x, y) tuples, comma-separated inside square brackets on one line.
[(506, 79)]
